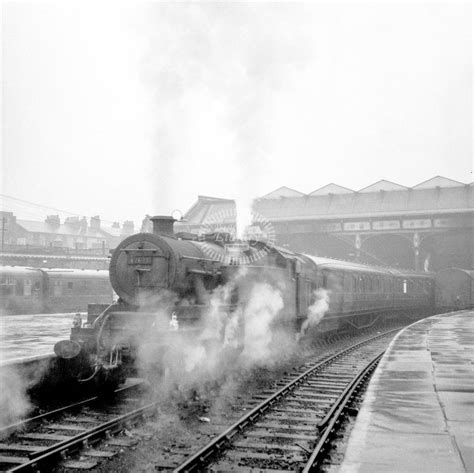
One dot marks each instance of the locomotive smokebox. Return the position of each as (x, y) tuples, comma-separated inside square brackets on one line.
[(163, 225)]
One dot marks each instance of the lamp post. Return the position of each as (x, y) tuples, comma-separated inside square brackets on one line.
[(416, 245)]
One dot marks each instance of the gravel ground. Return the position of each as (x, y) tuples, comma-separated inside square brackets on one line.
[(186, 422), (333, 462)]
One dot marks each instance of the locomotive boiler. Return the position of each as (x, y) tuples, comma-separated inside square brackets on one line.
[(172, 286)]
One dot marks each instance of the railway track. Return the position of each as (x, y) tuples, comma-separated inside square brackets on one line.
[(290, 430), (280, 429), (38, 443)]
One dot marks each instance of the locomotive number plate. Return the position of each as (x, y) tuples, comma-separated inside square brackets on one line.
[(140, 259)]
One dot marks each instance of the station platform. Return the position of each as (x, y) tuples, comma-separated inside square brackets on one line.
[(418, 413)]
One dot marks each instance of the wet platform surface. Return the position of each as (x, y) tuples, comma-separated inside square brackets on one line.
[(418, 414), (23, 336)]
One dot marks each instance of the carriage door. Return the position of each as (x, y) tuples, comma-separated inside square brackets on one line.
[(299, 284)]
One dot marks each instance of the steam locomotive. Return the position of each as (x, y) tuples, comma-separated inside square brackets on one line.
[(172, 286)]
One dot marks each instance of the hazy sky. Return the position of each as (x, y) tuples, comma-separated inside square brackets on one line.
[(122, 109)]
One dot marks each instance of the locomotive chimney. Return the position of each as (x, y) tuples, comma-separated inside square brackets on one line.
[(163, 225)]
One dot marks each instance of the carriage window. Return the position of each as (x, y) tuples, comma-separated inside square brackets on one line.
[(70, 285), (405, 286), (309, 290), (19, 288), (27, 287), (7, 285), (57, 289)]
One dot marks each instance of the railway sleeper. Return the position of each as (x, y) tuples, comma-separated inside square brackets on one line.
[(282, 426), (279, 435), (298, 420), (242, 444), (292, 459)]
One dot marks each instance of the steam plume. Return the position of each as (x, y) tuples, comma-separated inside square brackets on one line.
[(316, 310), (225, 341), (217, 70), (14, 402)]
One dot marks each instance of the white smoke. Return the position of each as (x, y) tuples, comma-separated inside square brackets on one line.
[(217, 71), (316, 310), (264, 305), (243, 214), (226, 341), (14, 402)]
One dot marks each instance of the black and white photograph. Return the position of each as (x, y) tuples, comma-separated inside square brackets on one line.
[(237, 236)]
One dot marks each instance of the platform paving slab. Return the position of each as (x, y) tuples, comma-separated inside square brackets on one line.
[(418, 414)]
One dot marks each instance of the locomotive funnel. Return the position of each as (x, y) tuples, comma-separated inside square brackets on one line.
[(163, 225)]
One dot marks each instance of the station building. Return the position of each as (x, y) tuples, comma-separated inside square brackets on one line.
[(425, 227), (73, 243)]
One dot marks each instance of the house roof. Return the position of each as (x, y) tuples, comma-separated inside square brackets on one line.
[(111, 231), (62, 229)]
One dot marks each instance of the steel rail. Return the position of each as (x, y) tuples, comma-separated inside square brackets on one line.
[(333, 416), (9, 429), (47, 455), (195, 462)]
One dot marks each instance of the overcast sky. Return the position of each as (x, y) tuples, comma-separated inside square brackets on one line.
[(122, 109)]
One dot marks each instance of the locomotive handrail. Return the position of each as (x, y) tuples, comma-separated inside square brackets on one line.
[(102, 315), (195, 258), (152, 250), (204, 272)]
